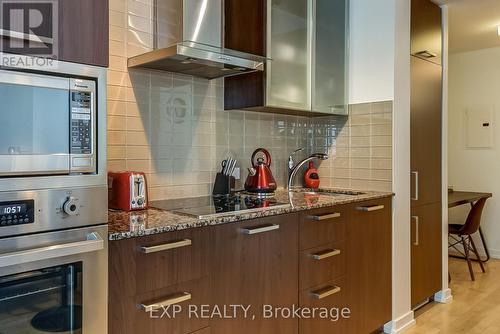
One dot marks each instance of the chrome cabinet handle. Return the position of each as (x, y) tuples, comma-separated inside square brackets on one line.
[(167, 246), (260, 229), (370, 208), (415, 198), (93, 243), (174, 299), (324, 217), (325, 254), (417, 238), (325, 292)]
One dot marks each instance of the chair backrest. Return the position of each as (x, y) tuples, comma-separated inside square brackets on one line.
[(474, 218)]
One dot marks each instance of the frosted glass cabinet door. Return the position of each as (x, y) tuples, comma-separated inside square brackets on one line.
[(289, 45), (329, 56)]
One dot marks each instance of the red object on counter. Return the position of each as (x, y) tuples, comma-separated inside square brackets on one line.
[(127, 191), (311, 178), (260, 178)]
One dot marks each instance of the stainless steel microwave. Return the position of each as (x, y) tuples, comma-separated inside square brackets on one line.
[(47, 124)]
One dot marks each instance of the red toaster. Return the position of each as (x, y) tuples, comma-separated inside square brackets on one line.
[(127, 191)]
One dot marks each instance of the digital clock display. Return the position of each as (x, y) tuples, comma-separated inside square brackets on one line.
[(20, 208), (17, 212)]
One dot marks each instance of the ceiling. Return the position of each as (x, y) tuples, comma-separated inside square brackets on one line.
[(473, 24)]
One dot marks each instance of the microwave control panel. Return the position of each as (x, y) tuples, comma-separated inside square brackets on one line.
[(81, 122), (17, 212)]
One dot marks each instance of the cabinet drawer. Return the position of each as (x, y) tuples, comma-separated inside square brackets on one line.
[(332, 296), (144, 313), (154, 262), (321, 264), (318, 227)]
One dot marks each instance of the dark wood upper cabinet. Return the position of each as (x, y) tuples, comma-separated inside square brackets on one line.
[(426, 31), (84, 31), (245, 91), (306, 47), (248, 17)]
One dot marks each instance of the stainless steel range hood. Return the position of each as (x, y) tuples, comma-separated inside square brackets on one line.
[(188, 37)]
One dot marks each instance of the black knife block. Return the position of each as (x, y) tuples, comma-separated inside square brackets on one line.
[(224, 184)]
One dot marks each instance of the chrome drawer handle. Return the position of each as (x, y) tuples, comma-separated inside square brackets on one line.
[(324, 217), (174, 299), (167, 246), (370, 208), (260, 229), (325, 292), (325, 254)]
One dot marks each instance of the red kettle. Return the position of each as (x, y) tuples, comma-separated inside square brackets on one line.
[(260, 178)]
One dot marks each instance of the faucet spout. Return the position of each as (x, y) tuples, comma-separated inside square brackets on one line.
[(295, 169)]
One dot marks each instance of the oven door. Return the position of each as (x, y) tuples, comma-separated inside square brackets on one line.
[(54, 282), (34, 124)]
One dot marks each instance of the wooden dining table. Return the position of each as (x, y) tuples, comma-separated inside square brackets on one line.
[(457, 198)]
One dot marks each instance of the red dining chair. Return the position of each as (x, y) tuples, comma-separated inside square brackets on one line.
[(461, 234)]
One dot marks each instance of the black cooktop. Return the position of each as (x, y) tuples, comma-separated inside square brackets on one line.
[(213, 206)]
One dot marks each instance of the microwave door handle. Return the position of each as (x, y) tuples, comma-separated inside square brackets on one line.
[(94, 242)]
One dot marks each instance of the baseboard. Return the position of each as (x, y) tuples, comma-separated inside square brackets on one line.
[(494, 253), (400, 324), (443, 296)]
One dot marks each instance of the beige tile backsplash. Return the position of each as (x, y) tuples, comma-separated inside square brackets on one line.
[(174, 128)]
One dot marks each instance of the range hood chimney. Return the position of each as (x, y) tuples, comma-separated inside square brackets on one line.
[(192, 33)]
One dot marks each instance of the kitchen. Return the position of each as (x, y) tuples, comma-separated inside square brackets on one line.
[(298, 110)]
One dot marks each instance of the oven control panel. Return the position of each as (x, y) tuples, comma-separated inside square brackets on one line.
[(17, 212)]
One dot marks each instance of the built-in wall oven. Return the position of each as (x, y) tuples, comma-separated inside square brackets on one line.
[(53, 199)]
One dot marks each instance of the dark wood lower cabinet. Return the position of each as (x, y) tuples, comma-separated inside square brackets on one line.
[(330, 302), (127, 317), (369, 262), (326, 260), (256, 263), (426, 252)]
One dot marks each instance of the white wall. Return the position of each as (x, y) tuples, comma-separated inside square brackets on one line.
[(474, 83), (371, 51)]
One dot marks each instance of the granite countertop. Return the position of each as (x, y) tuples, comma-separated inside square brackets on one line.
[(123, 225)]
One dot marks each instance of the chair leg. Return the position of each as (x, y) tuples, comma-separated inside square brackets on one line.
[(467, 257), (474, 249)]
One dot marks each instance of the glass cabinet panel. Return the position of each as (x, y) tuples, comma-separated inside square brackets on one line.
[(289, 45), (329, 57)]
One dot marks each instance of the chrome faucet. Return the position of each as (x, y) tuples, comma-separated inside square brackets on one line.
[(290, 159), (293, 170)]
